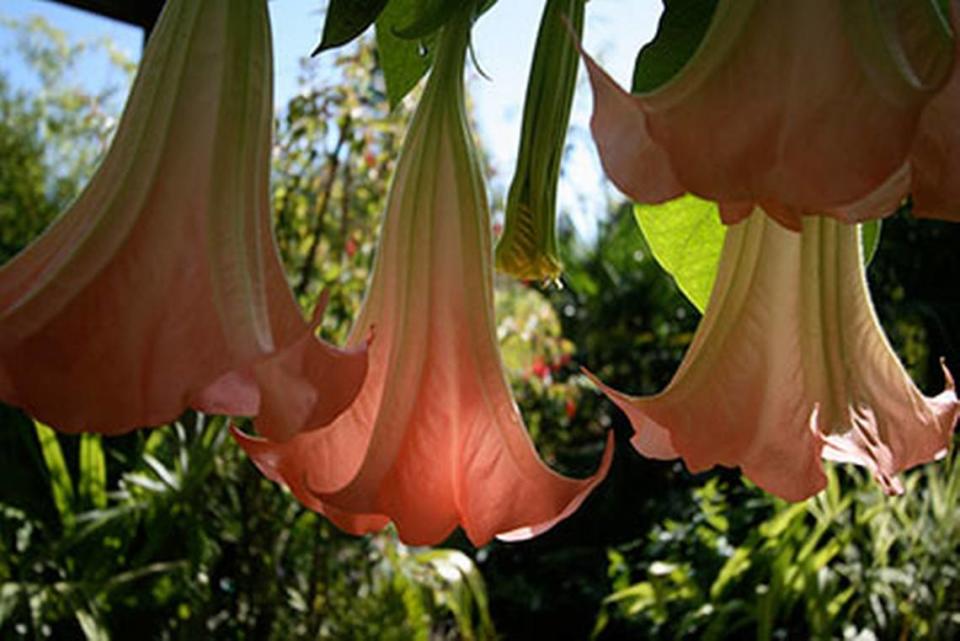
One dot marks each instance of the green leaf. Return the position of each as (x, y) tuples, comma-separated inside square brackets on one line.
[(93, 473), (870, 238), (681, 29), (94, 629), (738, 563), (10, 594), (347, 19), (403, 61), (61, 486), (685, 236), (782, 520), (427, 18)]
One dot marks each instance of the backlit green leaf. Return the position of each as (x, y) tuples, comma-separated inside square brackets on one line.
[(92, 484), (685, 236), (61, 485), (870, 237)]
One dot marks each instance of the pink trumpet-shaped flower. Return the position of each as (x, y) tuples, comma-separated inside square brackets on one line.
[(797, 107), (434, 439), (788, 365), (160, 287)]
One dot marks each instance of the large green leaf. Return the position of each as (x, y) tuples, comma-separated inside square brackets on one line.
[(347, 19), (685, 236)]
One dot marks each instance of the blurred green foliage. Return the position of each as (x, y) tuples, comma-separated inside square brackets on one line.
[(50, 138), (172, 534), (849, 563)]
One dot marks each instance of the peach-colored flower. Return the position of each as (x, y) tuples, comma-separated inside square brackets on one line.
[(798, 107), (434, 439), (788, 365), (160, 288)]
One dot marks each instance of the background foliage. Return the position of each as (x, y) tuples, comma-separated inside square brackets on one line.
[(171, 533)]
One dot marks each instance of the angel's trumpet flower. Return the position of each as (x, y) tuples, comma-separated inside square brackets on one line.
[(160, 288), (434, 440), (788, 365), (528, 248), (798, 107)]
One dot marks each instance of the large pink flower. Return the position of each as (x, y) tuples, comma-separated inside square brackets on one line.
[(434, 439), (160, 287), (798, 107), (788, 365)]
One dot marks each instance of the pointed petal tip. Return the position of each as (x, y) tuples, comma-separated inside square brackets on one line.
[(946, 405), (949, 385), (308, 385), (630, 157), (890, 485), (262, 453), (650, 438), (588, 485), (269, 458), (603, 387)]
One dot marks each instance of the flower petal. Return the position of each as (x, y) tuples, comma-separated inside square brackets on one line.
[(936, 150), (631, 159), (434, 439), (868, 410), (800, 107), (161, 287), (789, 363)]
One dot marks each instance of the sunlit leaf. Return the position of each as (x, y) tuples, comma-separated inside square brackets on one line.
[(93, 627), (92, 483), (61, 485), (870, 238), (685, 236), (9, 599)]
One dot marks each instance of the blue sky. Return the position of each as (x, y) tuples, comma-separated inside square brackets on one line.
[(503, 42)]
